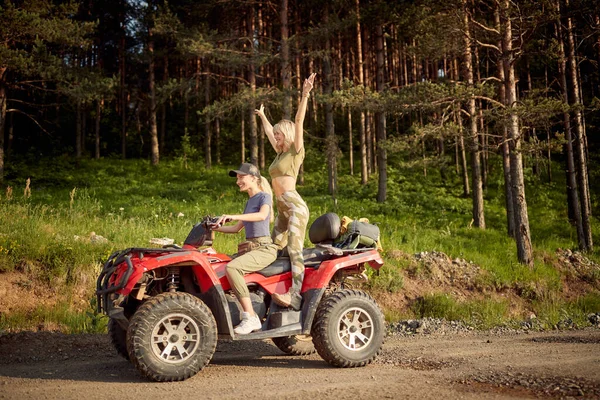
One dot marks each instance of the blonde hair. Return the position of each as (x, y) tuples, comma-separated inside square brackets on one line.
[(288, 128), (264, 185)]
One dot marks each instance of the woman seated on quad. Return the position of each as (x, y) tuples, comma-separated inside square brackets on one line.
[(255, 220)]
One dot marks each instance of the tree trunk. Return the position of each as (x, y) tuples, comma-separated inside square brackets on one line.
[(252, 106), (217, 140), (163, 108), (366, 82), (154, 152), (364, 174), (286, 72), (2, 119), (522, 233), (580, 147), (597, 20), (478, 212), (329, 124), (572, 193), (99, 106), (78, 131), (380, 119), (122, 92), (243, 139), (350, 141), (508, 195), (207, 130), (463, 158)]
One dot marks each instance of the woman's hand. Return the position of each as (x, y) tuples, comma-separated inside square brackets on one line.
[(222, 219), (261, 111), (308, 84)]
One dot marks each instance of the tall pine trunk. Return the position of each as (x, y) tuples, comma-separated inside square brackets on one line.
[(580, 143), (2, 119), (522, 233), (508, 195), (207, 128), (286, 71), (364, 173), (252, 81), (350, 141), (78, 113), (572, 193), (163, 106), (122, 91), (329, 124), (218, 140), (380, 118), (478, 212), (99, 107), (243, 139), (154, 152)]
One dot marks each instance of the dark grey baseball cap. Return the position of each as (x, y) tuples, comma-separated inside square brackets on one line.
[(245, 169)]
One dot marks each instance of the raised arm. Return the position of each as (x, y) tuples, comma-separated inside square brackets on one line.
[(267, 126), (301, 113)]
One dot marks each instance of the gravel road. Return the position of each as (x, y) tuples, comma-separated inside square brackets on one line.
[(470, 365)]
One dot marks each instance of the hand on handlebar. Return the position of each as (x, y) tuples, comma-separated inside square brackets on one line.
[(220, 221)]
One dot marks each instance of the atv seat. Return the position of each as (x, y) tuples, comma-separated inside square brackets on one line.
[(313, 257), (322, 232)]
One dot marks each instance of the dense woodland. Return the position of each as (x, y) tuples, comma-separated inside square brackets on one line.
[(456, 85)]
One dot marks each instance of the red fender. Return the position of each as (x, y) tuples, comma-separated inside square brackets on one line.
[(321, 277), (200, 262)]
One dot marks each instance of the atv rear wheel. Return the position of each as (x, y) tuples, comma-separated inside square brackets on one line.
[(118, 338), (171, 337), (297, 345), (349, 329)]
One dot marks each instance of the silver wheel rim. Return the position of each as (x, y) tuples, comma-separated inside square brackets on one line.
[(175, 338), (355, 329)]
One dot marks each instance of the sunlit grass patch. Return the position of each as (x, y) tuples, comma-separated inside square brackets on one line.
[(47, 235)]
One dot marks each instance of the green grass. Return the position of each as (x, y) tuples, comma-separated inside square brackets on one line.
[(61, 318), (129, 202), (482, 314)]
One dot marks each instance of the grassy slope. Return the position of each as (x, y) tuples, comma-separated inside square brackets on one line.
[(129, 202)]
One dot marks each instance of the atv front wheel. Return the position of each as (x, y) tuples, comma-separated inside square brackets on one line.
[(297, 345), (118, 338), (172, 337), (349, 329)]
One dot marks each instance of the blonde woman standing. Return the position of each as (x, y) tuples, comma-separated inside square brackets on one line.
[(287, 138)]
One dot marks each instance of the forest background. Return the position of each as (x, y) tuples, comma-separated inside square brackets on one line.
[(468, 130)]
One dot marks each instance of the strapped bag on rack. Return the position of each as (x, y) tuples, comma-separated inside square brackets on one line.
[(359, 235)]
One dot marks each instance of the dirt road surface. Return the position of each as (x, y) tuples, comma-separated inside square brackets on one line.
[(45, 365)]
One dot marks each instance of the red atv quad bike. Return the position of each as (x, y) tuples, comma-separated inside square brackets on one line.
[(167, 306)]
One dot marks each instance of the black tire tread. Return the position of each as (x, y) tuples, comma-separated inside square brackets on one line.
[(323, 319), (138, 328), (292, 346), (118, 338)]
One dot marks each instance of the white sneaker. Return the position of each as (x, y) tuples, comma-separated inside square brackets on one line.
[(248, 324)]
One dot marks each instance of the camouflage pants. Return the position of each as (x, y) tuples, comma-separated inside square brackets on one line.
[(289, 229)]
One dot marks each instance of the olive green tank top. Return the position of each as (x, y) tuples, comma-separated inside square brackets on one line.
[(287, 163)]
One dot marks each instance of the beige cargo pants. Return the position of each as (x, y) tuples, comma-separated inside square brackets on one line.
[(252, 261)]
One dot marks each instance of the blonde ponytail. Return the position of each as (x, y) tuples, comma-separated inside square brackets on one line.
[(264, 185)]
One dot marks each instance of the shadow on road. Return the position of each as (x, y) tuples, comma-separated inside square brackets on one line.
[(56, 356)]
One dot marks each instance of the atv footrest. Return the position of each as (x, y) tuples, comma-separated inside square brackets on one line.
[(280, 319), (288, 330)]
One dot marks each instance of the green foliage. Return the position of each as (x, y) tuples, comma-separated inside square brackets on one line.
[(61, 317), (483, 314), (556, 312), (388, 279), (48, 236)]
